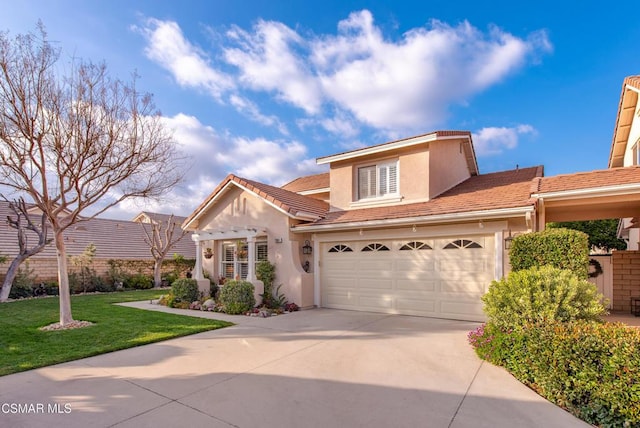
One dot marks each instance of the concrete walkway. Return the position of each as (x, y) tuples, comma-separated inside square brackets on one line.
[(316, 368)]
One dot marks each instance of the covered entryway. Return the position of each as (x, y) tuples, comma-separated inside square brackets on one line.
[(435, 277)]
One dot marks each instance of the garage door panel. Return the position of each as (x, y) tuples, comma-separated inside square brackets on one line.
[(425, 265), (437, 282), (376, 284), (473, 288), (416, 306), (341, 283), (375, 302), (415, 285)]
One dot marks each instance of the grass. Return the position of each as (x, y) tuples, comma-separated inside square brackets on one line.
[(24, 347)]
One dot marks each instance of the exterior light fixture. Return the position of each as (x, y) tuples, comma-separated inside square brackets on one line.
[(414, 229), (307, 248), (507, 241)]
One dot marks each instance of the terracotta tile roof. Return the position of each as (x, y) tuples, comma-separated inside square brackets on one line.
[(507, 189), (114, 239), (584, 180), (309, 182), (288, 201)]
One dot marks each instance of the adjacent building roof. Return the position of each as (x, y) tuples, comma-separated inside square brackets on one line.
[(624, 119), (605, 178), (291, 203), (308, 183), (500, 190), (114, 239)]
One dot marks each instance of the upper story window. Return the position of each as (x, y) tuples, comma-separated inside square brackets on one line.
[(378, 181)]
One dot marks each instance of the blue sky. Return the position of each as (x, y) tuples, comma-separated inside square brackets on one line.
[(262, 88)]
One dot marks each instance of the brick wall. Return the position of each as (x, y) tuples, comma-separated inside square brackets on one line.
[(626, 279)]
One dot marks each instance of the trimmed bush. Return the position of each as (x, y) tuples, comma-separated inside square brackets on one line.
[(139, 282), (237, 297), (185, 290), (541, 294), (591, 369), (562, 248)]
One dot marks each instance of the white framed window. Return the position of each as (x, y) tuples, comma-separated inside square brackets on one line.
[(378, 181), (234, 262)]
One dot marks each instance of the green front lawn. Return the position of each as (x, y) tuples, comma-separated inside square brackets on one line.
[(23, 346)]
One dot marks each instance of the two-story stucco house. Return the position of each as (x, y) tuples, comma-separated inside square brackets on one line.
[(404, 227), (409, 226)]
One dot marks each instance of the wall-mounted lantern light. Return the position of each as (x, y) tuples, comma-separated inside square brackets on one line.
[(507, 241), (307, 248)]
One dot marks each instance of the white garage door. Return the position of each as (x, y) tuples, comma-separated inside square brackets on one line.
[(443, 277)]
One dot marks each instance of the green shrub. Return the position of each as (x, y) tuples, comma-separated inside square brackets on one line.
[(185, 290), (541, 294), (23, 283), (51, 288), (103, 286), (140, 282), (562, 248), (237, 297), (591, 369)]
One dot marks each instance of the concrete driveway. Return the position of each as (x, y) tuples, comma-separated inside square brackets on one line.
[(316, 368)]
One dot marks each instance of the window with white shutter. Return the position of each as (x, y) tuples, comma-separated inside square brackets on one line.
[(378, 181)]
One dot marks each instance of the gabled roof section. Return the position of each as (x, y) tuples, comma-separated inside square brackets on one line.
[(308, 183), (149, 217), (408, 142), (624, 119), (290, 203), (593, 181), (494, 191), (114, 239)]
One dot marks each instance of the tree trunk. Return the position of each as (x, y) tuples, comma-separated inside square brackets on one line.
[(8, 279), (63, 280), (157, 273)]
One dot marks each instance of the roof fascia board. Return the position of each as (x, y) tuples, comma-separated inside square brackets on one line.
[(442, 218), (616, 190), (314, 191), (381, 148)]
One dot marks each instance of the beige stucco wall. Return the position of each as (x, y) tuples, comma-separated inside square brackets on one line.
[(447, 166), (239, 209), (425, 171), (341, 184)]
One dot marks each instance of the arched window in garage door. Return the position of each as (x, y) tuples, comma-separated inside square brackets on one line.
[(340, 248), (462, 243), (375, 247), (415, 245)]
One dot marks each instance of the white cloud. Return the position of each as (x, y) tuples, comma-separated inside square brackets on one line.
[(267, 60), (268, 161), (408, 85), (494, 140), (212, 157), (346, 83), (188, 64), (251, 110)]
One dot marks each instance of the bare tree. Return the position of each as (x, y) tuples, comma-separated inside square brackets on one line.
[(76, 142), (23, 222), (159, 236)]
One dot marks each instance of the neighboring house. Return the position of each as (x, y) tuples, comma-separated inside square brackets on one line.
[(625, 150), (113, 239)]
